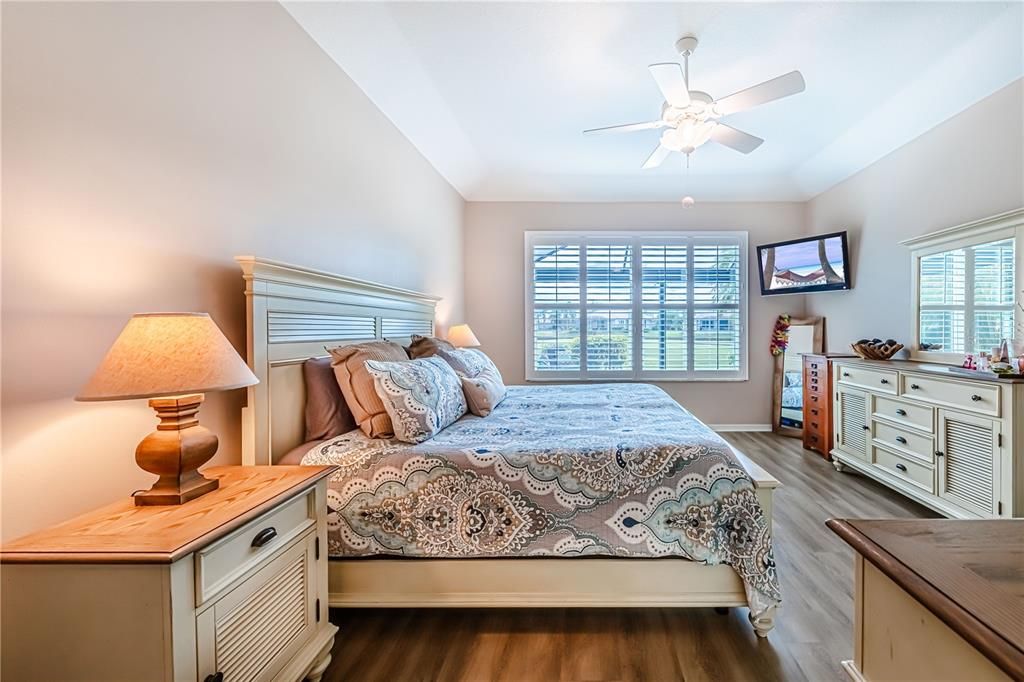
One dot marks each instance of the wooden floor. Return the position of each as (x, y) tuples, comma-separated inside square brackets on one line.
[(813, 630)]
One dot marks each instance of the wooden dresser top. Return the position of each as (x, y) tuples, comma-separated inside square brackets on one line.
[(970, 574), (124, 533)]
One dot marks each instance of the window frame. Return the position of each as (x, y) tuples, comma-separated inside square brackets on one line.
[(1009, 225), (636, 306)]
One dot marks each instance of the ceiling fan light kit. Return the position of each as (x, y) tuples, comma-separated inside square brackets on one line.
[(690, 117)]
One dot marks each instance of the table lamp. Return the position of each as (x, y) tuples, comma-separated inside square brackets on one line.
[(171, 358), (461, 336)]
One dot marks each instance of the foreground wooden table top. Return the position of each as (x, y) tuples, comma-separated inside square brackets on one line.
[(969, 574), (122, 532)]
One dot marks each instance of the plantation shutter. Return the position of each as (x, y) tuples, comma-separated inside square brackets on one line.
[(966, 297), (628, 306)]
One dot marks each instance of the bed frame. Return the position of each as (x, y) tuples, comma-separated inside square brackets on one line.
[(292, 313)]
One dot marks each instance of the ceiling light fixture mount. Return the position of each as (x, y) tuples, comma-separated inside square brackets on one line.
[(691, 117)]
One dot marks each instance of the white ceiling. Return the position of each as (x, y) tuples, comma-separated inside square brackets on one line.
[(495, 95)]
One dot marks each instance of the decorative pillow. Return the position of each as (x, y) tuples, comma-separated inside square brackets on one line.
[(467, 362), (357, 385), (426, 346), (327, 414), (421, 396), (484, 391)]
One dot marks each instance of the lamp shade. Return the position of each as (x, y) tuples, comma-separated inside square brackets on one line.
[(462, 336), (164, 354)]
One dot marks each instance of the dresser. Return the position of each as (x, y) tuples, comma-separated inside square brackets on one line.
[(229, 587), (953, 443), (817, 400), (936, 599)]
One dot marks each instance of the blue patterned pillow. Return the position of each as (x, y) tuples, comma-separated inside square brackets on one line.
[(421, 396)]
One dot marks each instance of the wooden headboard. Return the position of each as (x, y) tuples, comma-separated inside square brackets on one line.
[(292, 313)]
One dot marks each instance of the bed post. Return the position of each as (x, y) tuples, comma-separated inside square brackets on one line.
[(256, 413)]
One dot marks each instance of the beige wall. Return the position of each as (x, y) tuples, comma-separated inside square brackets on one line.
[(144, 145), (969, 167), (494, 244)]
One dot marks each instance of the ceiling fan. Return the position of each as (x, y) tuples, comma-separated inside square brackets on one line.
[(691, 117)]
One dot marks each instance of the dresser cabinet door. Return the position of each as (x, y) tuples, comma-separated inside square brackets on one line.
[(852, 428), (968, 462), (254, 629)]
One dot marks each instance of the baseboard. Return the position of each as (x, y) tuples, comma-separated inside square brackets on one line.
[(740, 427)]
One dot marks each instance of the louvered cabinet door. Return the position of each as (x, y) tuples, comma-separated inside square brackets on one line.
[(968, 466), (851, 423), (250, 633)]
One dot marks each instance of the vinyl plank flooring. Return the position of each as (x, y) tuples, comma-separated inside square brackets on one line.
[(813, 630)]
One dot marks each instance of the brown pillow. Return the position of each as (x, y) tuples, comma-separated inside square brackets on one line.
[(426, 346), (356, 384), (327, 414)]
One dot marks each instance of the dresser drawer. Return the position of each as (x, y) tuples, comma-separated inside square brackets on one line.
[(815, 441), (973, 397), (223, 562), (904, 440), (904, 468), (878, 380), (918, 416), (814, 423)]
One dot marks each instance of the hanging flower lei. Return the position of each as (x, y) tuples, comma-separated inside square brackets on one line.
[(780, 335)]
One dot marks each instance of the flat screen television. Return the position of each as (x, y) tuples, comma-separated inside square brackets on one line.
[(808, 264)]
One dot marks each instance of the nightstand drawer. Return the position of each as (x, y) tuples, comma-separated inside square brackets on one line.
[(220, 564)]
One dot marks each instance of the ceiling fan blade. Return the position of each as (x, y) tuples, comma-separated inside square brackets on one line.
[(735, 139), (777, 88), (669, 78), (657, 156), (625, 128)]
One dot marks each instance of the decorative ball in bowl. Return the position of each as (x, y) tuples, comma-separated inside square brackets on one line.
[(876, 349)]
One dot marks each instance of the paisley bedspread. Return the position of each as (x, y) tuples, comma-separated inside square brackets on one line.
[(607, 469)]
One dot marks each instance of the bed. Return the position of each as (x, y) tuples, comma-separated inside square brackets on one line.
[(592, 495)]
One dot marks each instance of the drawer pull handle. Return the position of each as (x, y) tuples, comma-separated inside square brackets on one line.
[(939, 453), (216, 677), (846, 374), (901, 412), (814, 425), (915, 387), (901, 439), (264, 536), (901, 467), (814, 372), (867, 428), (885, 381), (975, 397)]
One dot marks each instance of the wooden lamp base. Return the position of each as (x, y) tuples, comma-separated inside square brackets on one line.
[(175, 451)]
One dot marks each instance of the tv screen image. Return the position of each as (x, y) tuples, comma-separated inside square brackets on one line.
[(799, 266)]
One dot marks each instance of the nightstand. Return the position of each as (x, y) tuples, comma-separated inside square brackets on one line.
[(231, 586)]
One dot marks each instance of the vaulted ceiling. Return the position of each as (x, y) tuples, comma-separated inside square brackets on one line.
[(496, 95)]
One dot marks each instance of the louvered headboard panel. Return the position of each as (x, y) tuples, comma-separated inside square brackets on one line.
[(292, 314)]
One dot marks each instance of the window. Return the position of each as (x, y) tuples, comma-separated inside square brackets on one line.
[(968, 288), (668, 305)]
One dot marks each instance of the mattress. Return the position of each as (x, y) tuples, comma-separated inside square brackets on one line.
[(588, 470)]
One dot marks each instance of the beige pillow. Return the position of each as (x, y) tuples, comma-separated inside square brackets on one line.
[(426, 346), (357, 386), (484, 391), (467, 362)]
